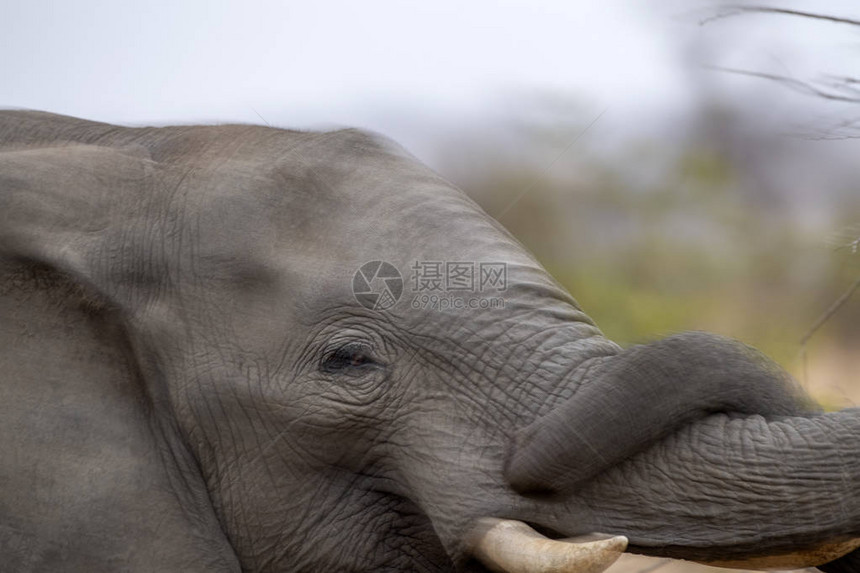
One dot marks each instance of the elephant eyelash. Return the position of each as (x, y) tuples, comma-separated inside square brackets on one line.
[(352, 357)]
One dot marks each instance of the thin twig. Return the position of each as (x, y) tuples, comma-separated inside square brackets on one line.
[(804, 364), (807, 137), (797, 85), (260, 116), (551, 163), (731, 11), (829, 312), (844, 395), (847, 129)]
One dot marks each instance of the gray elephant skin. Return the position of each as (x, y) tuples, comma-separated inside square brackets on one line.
[(188, 382)]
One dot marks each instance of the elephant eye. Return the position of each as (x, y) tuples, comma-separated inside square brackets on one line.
[(352, 357)]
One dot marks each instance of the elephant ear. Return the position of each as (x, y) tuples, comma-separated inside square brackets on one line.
[(77, 209), (94, 475)]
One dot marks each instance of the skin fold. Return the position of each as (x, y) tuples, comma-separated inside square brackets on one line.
[(188, 383)]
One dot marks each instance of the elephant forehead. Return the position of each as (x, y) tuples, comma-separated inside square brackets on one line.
[(347, 208), (398, 211), (428, 223), (309, 218)]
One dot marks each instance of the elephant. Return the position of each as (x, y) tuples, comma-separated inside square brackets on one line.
[(201, 372)]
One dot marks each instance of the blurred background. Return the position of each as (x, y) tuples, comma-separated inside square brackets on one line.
[(676, 165)]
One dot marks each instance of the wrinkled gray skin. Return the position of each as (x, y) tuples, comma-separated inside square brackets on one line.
[(188, 384)]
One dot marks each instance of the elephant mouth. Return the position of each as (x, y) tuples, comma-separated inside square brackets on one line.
[(509, 546)]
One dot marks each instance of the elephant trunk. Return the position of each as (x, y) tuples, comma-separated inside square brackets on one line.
[(639, 397), (709, 453), (729, 489)]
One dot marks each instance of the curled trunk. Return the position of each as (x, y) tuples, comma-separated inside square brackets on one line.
[(708, 453), (726, 489)]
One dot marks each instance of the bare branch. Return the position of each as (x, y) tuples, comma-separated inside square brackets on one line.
[(844, 80), (792, 83), (844, 89), (830, 312), (260, 116), (525, 191), (730, 11)]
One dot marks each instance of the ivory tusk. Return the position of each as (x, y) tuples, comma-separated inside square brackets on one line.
[(510, 546)]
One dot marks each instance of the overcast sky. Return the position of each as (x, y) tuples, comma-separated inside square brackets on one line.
[(394, 66)]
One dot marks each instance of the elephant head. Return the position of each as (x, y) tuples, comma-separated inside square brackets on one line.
[(205, 367)]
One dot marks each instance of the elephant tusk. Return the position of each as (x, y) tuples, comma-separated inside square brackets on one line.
[(510, 546)]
